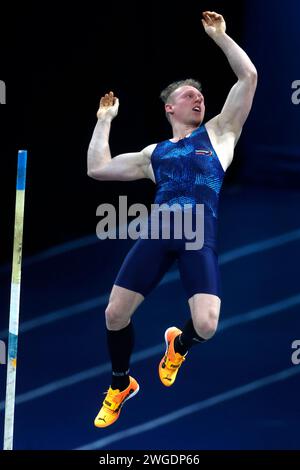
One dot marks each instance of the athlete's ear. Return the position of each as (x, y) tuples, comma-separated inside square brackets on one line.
[(169, 108)]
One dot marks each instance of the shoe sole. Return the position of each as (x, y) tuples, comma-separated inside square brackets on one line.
[(130, 396), (166, 339), (167, 346)]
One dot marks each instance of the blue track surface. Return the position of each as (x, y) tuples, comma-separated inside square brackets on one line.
[(229, 393)]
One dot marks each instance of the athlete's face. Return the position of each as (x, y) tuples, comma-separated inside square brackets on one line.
[(187, 105)]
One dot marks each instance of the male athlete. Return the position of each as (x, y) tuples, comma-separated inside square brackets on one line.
[(189, 168)]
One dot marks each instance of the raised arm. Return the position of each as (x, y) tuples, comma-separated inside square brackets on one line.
[(124, 167), (239, 101)]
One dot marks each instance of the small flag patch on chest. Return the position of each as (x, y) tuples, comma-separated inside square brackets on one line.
[(208, 153)]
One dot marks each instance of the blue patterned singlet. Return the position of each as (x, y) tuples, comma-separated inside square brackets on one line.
[(188, 172)]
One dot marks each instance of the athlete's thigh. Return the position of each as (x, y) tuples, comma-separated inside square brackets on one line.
[(145, 265), (199, 271)]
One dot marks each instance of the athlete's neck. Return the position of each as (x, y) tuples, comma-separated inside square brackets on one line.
[(180, 131)]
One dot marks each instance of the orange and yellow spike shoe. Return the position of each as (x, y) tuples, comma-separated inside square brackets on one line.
[(113, 402), (170, 363)]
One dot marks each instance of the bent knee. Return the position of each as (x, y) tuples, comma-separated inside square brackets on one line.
[(116, 318), (207, 326)]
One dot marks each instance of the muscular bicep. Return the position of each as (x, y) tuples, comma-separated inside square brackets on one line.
[(237, 105), (124, 167)]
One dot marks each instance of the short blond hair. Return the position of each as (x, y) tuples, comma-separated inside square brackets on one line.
[(167, 92)]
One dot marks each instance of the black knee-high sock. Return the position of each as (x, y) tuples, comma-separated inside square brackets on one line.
[(120, 345), (187, 339)]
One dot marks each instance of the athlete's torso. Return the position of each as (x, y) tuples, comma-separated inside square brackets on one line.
[(188, 172)]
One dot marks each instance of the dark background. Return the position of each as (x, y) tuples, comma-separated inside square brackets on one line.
[(57, 61)]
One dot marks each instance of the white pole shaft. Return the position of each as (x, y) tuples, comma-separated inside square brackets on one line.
[(15, 304)]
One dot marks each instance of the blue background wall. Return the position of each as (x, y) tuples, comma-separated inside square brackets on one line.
[(238, 391), (271, 145)]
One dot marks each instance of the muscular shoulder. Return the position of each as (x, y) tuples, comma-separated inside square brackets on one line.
[(222, 140), (147, 151)]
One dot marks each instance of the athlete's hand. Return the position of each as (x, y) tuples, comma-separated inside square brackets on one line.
[(108, 108), (213, 23)]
